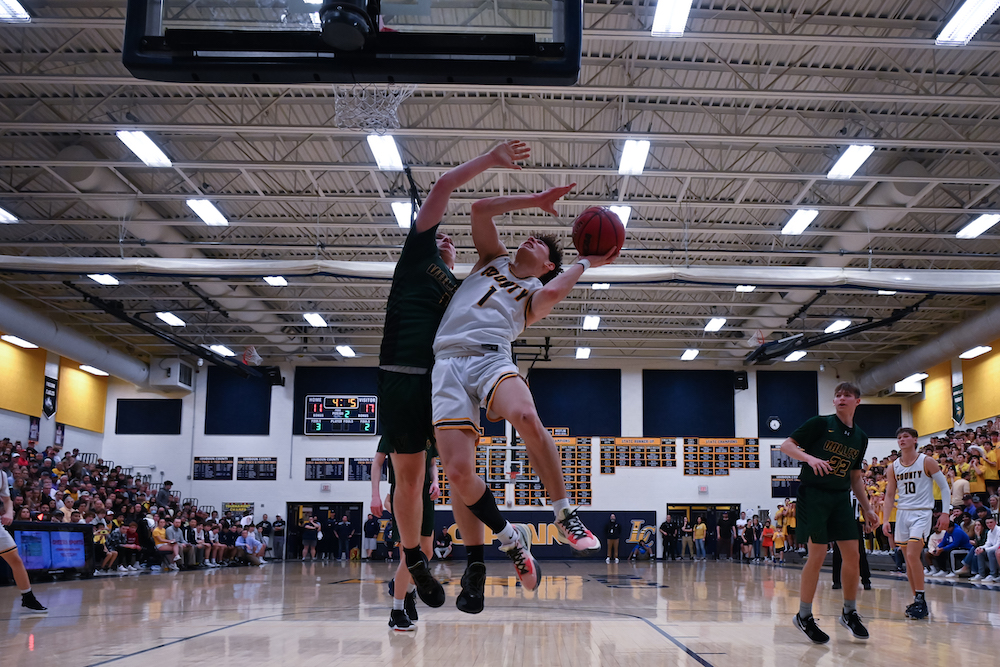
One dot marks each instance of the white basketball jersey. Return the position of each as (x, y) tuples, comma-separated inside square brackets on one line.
[(486, 313), (915, 487)]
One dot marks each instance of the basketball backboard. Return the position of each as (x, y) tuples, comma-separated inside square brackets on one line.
[(529, 42)]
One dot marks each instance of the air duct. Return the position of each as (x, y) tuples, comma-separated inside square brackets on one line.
[(979, 330), (21, 321)]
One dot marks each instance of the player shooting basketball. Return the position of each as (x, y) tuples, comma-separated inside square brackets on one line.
[(473, 367)]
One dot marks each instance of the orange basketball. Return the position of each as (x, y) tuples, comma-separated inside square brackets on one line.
[(596, 231)]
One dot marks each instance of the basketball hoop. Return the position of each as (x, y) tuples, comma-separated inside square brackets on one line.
[(369, 107), (513, 475)]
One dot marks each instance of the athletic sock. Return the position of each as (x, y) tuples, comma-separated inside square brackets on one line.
[(508, 535), (25, 592), (475, 553), (805, 609), (486, 511), (411, 588), (850, 605), (919, 597), (412, 556), (559, 505), (397, 604)]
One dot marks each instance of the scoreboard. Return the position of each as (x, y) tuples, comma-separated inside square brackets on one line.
[(341, 414)]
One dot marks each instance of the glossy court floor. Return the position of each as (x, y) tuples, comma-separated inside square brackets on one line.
[(584, 613)]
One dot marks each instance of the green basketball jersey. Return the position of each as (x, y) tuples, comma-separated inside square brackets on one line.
[(422, 286), (827, 438)]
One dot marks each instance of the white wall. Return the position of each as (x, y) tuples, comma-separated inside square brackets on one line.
[(629, 488)]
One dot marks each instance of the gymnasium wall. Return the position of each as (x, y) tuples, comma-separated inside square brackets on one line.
[(628, 489), (981, 389), (932, 413)]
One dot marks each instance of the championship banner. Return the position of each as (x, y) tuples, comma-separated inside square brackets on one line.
[(49, 397)]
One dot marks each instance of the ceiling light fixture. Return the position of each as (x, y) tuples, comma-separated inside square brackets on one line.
[(796, 355), (171, 319), (103, 279), (966, 22), (850, 161), (623, 213), (978, 226), (799, 221), (886, 292), (275, 281), (745, 288), (591, 322), (689, 355), (838, 325), (94, 371), (6, 216), (403, 210), (670, 18), (346, 351), (599, 286), (11, 11), (315, 319), (916, 377), (715, 324), (20, 342), (386, 152), (975, 352), (207, 212), (583, 353), (143, 147), (222, 350), (633, 159)]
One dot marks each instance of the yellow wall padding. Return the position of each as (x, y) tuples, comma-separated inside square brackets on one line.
[(981, 385), (82, 397), (23, 379), (933, 413)]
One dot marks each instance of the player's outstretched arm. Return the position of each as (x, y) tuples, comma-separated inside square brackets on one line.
[(484, 231), (557, 289), (505, 155), (376, 503)]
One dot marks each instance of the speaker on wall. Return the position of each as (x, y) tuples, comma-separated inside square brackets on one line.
[(740, 381)]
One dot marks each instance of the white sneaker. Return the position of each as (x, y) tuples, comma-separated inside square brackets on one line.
[(616, 560), (990, 579), (122, 568), (927, 571), (951, 575), (607, 560), (977, 577), (934, 570), (133, 568)]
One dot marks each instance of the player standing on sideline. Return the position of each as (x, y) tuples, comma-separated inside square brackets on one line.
[(8, 551), (913, 475), (833, 448), (422, 286), (472, 366)]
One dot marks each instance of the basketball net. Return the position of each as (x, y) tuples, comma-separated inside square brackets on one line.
[(369, 107), (513, 475)]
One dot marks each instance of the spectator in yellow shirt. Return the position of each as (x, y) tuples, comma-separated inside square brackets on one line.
[(699, 538)]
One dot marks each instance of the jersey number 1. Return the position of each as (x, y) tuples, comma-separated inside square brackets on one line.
[(489, 293)]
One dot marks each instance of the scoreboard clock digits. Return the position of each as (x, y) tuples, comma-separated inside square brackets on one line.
[(341, 414)]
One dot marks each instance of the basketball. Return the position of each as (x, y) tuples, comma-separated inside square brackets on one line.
[(596, 231)]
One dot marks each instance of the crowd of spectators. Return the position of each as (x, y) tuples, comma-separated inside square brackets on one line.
[(135, 526)]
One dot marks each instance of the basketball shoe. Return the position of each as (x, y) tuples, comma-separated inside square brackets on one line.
[(528, 572), (575, 533), (472, 597), (852, 621), (410, 606), (400, 622), (431, 592), (30, 604), (918, 610), (811, 630)]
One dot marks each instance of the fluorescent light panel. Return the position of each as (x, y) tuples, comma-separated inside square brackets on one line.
[(838, 325), (850, 161), (143, 147), (911, 384), (745, 288), (103, 278), (670, 18), (583, 353), (207, 212), (966, 22), (633, 159), (799, 221), (222, 350), (916, 377), (886, 292), (403, 210), (385, 151), (796, 355), (715, 324), (346, 351), (689, 355), (275, 281), (171, 319), (623, 213), (93, 371), (591, 322), (7, 216), (11, 11), (978, 226), (20, 342), (599, 286), (315, 319), (975, 352)]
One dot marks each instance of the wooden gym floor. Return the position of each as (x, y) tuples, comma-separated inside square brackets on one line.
[(584, 613)]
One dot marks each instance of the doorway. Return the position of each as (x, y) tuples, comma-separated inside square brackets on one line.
[(327, 514), (711, 514)]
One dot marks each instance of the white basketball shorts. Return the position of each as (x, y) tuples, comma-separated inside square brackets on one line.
[(461, 384), (6, 541), (912, 525)]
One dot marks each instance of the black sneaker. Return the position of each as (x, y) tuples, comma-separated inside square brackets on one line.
[(472, 597), (431, 592), (852, 621), (918, 610), (400, 622), (811, 630), (836, 587), (410, 606), (31, 604)]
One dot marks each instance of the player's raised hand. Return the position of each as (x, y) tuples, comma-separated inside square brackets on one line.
[(546, 200), (601, 260), (509, 153)]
